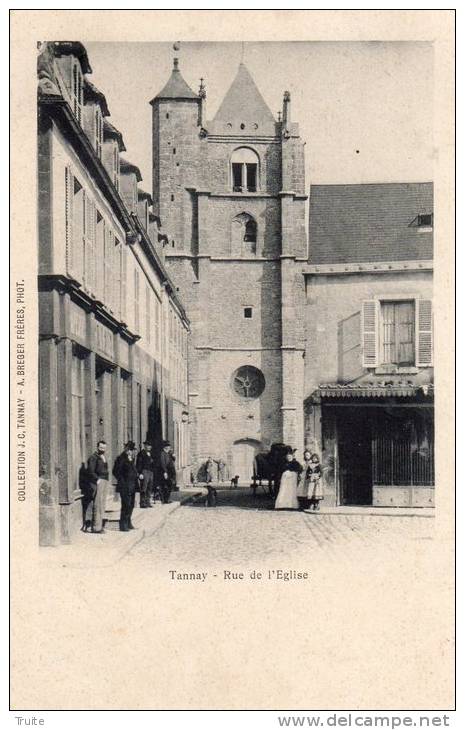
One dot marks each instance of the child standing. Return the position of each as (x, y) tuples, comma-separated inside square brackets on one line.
[(315, 486)]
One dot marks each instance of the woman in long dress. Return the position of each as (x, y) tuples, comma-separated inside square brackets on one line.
[(287, 495), (303, 485)]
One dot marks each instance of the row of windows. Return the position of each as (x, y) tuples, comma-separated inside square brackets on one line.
[(98, 260), (178, 358), (95, 257)]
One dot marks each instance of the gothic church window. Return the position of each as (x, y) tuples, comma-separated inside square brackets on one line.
[(244, 170), (244, 235)]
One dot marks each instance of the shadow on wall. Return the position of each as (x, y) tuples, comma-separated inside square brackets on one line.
[(349, 364)]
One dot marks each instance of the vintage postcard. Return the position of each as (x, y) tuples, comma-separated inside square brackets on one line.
[(232, 469)]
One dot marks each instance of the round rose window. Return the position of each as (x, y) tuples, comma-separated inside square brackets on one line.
[(248, 382)]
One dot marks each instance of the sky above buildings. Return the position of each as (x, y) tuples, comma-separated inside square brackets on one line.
[(365, 110)]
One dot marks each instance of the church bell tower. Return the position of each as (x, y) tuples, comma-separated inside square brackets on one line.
[(230, 193)]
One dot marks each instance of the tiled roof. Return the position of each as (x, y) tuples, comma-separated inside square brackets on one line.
[(144, 195), (370, 222), (109, 131), (243, 104), (176, 87), (127, 167), (91, 93), (74, 48)]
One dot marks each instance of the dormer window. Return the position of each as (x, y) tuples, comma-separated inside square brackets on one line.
[(98, 127), (425, 221), (77, 91), (244, 170)]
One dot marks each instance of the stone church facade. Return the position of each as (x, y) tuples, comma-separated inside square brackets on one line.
[(231, 195), (326, 345)]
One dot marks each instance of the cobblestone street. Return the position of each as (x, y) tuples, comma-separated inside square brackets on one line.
[(243, 529)]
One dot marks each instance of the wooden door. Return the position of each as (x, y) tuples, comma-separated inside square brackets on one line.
[(243, 460)]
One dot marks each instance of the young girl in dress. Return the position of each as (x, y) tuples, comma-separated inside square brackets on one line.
[(315, 486), (303, 485)]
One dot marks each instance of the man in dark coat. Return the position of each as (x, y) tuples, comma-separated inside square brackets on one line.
[(97, 475), (126, 473), (144, 466), (167, 472)]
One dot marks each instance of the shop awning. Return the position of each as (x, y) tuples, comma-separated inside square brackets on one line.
[(375, 389)]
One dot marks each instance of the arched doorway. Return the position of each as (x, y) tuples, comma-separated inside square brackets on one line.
[(243, 455)]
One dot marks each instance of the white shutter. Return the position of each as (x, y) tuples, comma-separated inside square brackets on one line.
[(93, 247), (78, 231), (69, 222), (106, 267), (370, 318), (123, 282), (424, 332)]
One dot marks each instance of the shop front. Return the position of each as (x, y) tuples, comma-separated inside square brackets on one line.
[(377, 445)]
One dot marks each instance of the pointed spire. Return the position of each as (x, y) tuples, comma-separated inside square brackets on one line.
[(176, 87), (243, 110)]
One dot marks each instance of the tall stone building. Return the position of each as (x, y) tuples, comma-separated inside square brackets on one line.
[(112, 330), (231, 194)]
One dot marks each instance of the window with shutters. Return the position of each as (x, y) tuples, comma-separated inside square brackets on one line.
[(100, 256), (78, 238), (77, 91), (107, 266), (117, 277), (136, 300), (147, 313), (123, 282), (89, 232), (77, 415), (397, 333)]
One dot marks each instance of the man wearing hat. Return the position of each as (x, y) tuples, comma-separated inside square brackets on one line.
[(126, 473), (144, 466), (167, 472)]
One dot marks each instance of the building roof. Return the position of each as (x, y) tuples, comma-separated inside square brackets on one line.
[(176, 87), (110, 132), (127, 167), (143, 195), (73, 48), (369, 222), (244, 104), (91, 93)]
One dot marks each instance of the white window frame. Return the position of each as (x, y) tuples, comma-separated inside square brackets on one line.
[(427, 334)]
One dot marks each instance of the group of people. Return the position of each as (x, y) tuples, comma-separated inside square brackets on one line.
[(134, 472), (300, 487)]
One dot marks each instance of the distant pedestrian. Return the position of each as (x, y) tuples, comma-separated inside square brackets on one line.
[(166, 472), (222, 471), (125, 472), (210, 470), (144, 466), (315, 482), (97, 475)]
